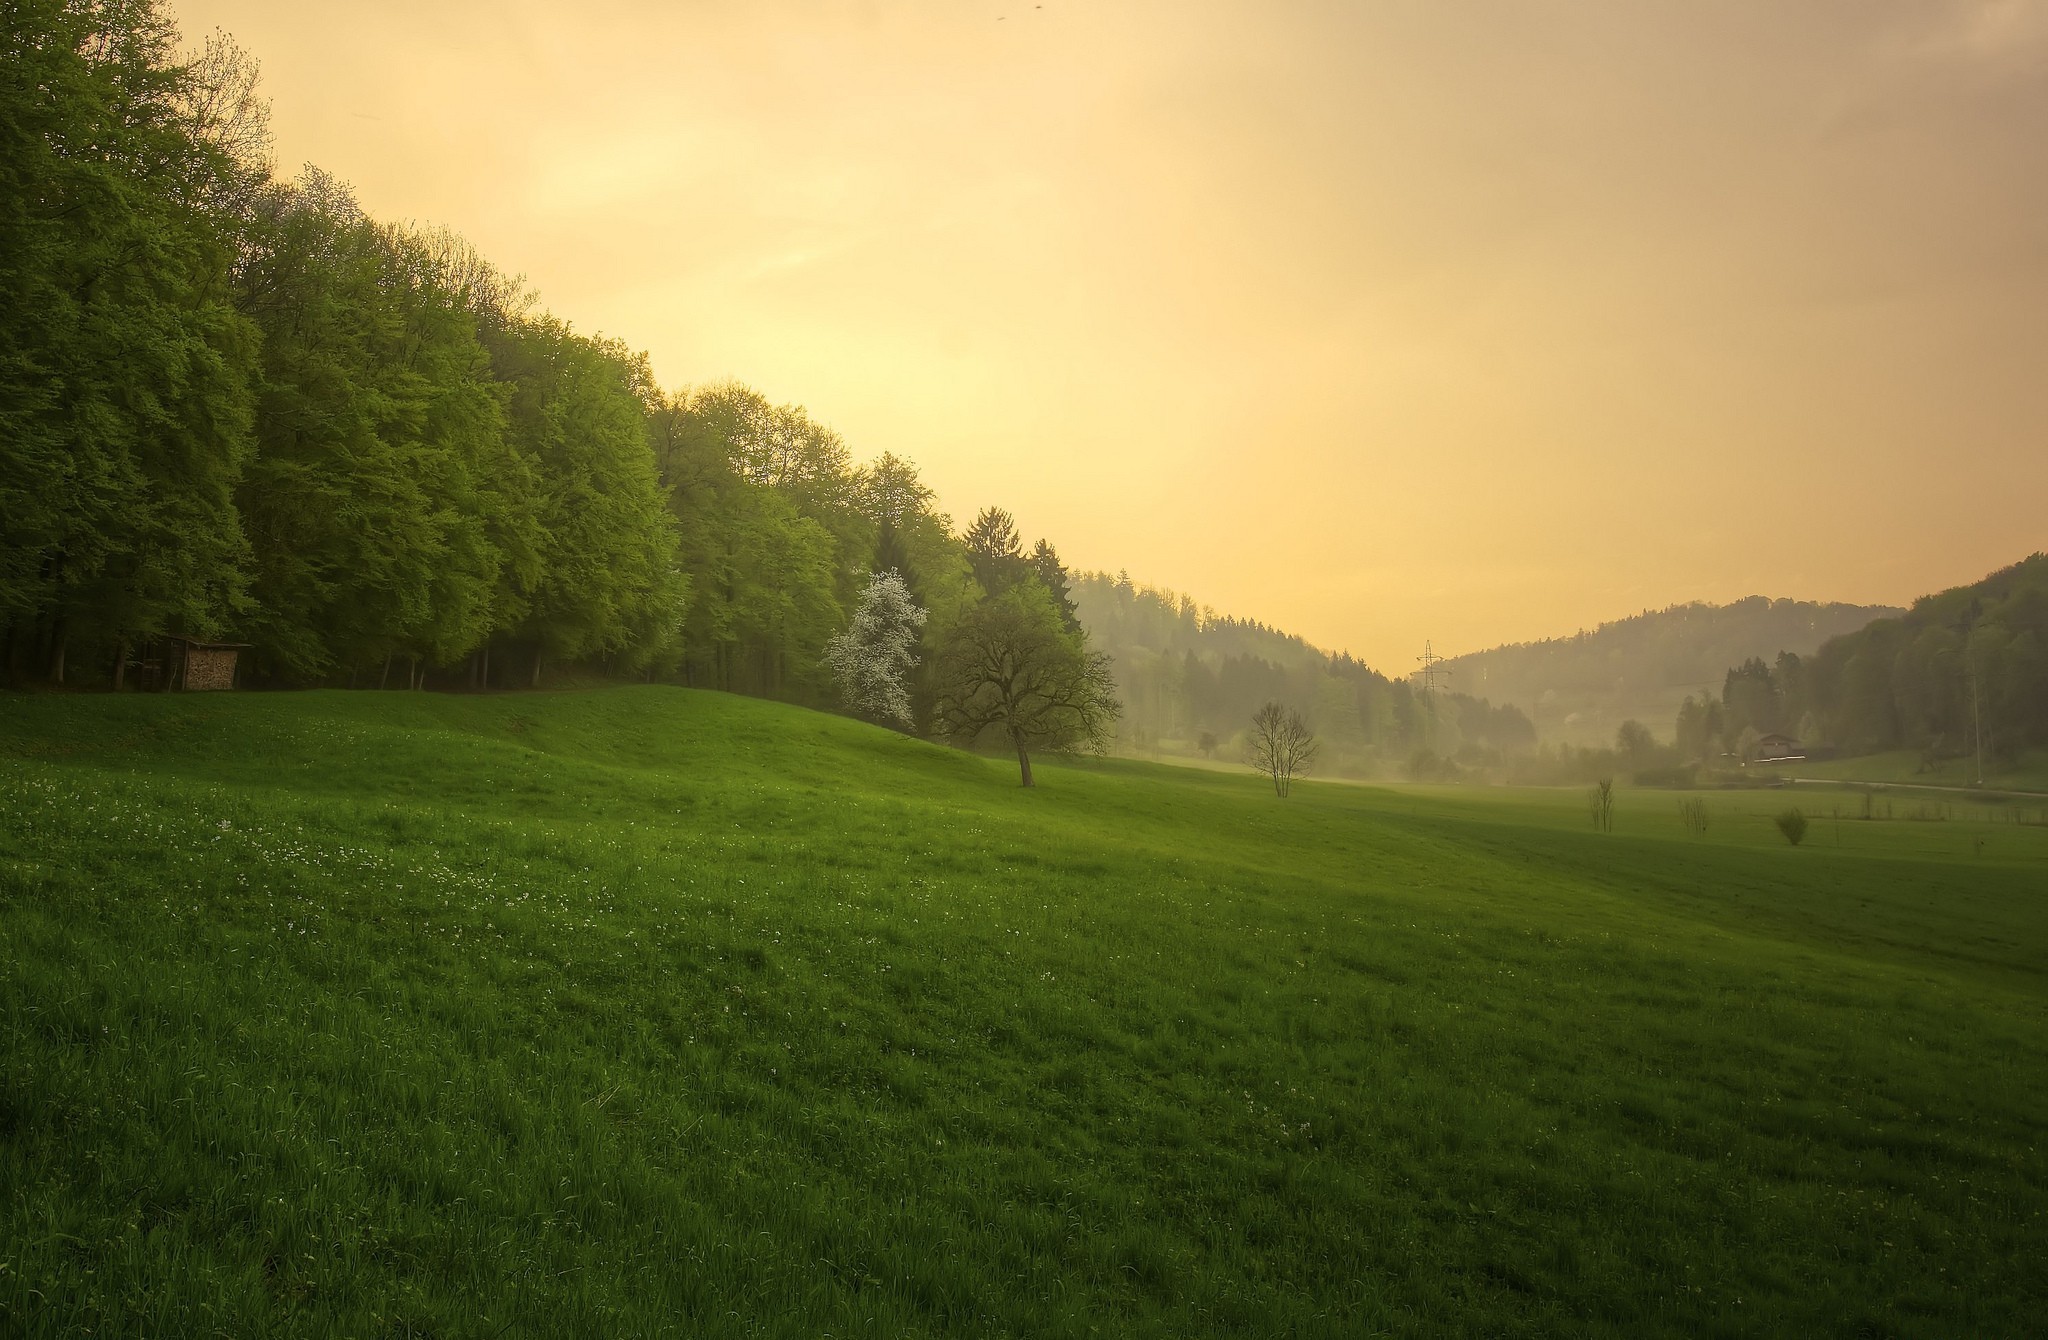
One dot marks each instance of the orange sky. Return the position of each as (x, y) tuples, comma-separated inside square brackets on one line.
[(1375, 320)]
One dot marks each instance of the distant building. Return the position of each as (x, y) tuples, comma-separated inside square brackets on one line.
[(1778, 749)]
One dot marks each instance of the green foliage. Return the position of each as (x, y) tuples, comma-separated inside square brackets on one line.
[(610, 585), (377, 500), (1183, 670), (124, 375), (1792, 823), (1963, 671), (334, 1013), (1584, 685), (237, 407), (1012, 671), (995, 551)]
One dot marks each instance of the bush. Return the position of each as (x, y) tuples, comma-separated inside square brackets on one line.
[(1793, 825)]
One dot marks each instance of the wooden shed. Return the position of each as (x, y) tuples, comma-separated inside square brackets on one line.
[(206, 665)]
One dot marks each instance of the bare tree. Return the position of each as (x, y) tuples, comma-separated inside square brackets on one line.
[(1012, 670), (218, 103), (1600, 805), (1280, 745)]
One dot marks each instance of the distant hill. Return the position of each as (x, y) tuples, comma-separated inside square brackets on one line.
[(1187, 674), (1578, 689)]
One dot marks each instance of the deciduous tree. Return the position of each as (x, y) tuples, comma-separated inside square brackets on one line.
[(1280, 745), (872, 659), (1011, 670)]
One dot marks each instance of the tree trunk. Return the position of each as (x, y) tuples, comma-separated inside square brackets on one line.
[(483, 678), (536, 667), (1024, 762), (60, 637), (384, 682), (120, 662)]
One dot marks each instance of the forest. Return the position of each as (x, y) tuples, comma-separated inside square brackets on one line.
[(1965, 670), (1580, 688), (1190, 679), (236, 407)]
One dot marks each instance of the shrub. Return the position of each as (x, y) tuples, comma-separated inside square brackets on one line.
[(1793, 825)]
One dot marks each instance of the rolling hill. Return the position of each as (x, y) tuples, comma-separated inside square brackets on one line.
[(661, 1012)]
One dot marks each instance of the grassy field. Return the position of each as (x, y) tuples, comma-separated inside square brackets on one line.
[(650, 1012), (1906, 768)]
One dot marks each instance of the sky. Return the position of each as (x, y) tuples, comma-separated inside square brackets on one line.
[(1379, 321)]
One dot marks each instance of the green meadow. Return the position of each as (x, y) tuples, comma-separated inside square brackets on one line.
[(655, 1012), (2026, 772)]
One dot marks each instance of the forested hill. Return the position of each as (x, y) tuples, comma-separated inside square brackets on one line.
[(1963, 667), (1580, 688), (1190, 680)]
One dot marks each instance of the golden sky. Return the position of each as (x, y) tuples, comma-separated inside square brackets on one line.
[(1379, 320)]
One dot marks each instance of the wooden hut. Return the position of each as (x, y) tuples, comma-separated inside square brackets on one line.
[(205, 665)]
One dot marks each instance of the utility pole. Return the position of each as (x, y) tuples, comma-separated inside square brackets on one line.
[(1430, 675)]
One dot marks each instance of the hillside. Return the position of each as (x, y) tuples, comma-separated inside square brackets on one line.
[(1187, 674), (1579, 688), (662, 1012), (1963, 674)]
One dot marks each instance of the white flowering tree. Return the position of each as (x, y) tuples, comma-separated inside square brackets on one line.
[(873, 658)]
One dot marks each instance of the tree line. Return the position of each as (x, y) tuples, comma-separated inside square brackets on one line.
[(1963, 671), (236, 407), (1192, 680)]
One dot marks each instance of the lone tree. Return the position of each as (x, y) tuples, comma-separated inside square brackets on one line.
[(1600, 805), (1280, 745), (874, 656), (1012, 670)]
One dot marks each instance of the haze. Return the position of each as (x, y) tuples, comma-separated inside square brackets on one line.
[(1378, 322)]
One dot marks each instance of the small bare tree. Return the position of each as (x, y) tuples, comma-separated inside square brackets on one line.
[(1280, 745), (1600, 804)]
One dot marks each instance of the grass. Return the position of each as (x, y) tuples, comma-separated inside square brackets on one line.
[(651, 1012), (2028, 772)]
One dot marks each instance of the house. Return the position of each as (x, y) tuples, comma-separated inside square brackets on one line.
[(1778, 749)]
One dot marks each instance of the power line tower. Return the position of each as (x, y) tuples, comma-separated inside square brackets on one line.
[(1431, 675)]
